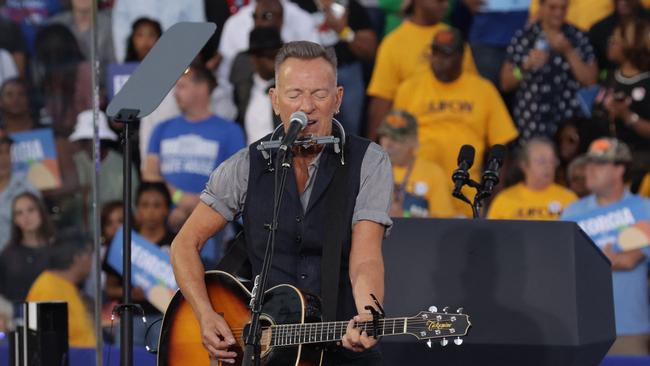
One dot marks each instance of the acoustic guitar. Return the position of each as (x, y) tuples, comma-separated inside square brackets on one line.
[(292, 331)]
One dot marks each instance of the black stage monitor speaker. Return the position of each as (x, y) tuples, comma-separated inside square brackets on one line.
[(42, 339), (537, 293)]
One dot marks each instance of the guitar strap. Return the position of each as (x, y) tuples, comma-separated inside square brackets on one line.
[(235, 259), (336, 230)]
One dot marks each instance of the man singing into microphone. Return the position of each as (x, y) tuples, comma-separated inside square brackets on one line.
[(243, 186)]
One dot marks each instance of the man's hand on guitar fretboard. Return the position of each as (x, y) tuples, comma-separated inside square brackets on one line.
[(355, 339)]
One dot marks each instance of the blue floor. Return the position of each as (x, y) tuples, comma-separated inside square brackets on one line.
[(86, 357)]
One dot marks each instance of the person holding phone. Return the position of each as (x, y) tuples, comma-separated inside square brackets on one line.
[(623, 105), (547, 63), (345, 26)]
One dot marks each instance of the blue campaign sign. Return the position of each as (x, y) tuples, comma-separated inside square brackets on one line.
[(625, 225), (34, 154), (505, 5), (151, 267), (117, 75)]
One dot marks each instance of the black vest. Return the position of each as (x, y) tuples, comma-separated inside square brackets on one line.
[(299, 238)]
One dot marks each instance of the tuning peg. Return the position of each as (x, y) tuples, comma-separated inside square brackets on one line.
[(458, 341), (460, 310), (429, 343), (433, 309), (444, 342), (445, 309)]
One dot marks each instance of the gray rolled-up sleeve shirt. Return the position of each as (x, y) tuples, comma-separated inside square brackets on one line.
[(225, 192)]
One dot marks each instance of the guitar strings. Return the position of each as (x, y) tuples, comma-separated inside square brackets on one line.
[(344, 324), (311, 329)]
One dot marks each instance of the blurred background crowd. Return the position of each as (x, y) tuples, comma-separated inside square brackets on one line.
[(546, 78)]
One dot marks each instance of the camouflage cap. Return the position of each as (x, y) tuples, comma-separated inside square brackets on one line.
[(448, 41), (398, 124), (608, 150)]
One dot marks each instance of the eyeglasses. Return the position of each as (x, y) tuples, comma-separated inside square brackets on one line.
[(267, 15), (545, 161)]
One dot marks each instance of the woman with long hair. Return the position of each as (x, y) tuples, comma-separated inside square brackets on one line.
[(27, 252), (144, 34), (623, 106)]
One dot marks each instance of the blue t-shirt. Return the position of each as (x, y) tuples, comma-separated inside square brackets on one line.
[(631, 305), (190, 151), (30, 15)]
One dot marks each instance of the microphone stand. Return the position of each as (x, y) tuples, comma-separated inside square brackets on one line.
[(128, 117), (476, 205), (252, 346)]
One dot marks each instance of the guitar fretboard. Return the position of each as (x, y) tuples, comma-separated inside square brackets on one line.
[(295, 334)]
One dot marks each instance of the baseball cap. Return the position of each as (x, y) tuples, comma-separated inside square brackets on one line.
[(398, 124), (608, 150), (448, 41)]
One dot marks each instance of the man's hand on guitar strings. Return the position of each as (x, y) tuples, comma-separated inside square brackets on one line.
[(356, 339), (217, 337)]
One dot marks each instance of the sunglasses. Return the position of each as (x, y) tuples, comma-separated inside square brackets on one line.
[(267, 15)]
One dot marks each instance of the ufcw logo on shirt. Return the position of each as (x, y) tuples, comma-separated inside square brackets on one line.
[(454, 106), (552, 211), (188, 154)]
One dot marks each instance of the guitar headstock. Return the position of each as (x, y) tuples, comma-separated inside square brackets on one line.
[(434, 325)]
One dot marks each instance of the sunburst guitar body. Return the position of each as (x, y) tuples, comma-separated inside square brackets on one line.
[(292, 330)]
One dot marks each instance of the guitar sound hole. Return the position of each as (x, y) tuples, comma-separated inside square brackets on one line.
[(265, 340)]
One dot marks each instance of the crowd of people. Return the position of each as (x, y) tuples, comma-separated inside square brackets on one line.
[(562, 83)]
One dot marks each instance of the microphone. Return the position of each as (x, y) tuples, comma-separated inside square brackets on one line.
[(490, 177), (297, 122), (461, 175)]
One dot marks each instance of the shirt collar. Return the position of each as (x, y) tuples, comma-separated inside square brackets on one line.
[(592, 201)]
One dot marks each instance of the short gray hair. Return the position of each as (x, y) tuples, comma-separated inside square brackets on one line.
[(304, 50), (524, 152), (578, 162)]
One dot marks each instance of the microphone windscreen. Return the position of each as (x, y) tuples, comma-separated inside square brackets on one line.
[(466, 154), (300, 117), (498, 153)]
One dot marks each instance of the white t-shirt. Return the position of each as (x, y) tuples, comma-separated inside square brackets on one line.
[(258, 121), (8, 68), (297, 25)]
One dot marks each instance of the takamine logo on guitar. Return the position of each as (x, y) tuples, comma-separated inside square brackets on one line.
[(292, 331), (431, 325)]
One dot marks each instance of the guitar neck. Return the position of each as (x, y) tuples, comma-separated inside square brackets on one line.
[(296, 334)]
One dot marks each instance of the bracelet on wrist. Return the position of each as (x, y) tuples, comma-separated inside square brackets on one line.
[(517, 73), (347, 34), (177, 196)]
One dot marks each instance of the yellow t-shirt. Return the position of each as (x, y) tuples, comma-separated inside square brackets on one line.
[(644, 189), (403, 53), (520, 203), (428, 190), (51, 287), (582, 13), (450, 115)]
